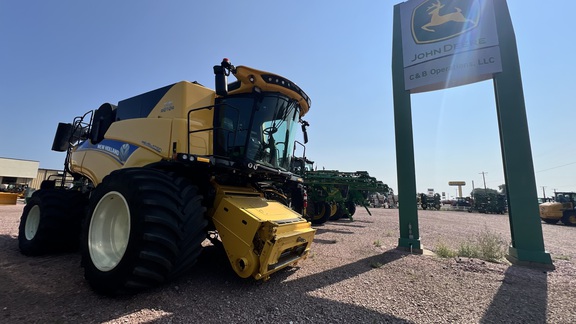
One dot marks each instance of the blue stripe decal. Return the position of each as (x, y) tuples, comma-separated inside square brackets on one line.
[(120, 151)]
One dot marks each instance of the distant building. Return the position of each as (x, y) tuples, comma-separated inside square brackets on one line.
[(23, 172), (14, 171)]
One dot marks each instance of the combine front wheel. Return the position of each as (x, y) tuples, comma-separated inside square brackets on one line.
[(131, 239)]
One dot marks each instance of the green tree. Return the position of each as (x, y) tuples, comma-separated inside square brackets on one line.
[(483, 192)]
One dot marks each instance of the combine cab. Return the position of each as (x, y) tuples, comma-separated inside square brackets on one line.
[(157, 174)]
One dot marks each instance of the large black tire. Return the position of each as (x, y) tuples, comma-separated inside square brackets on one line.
[(297, 200), (193, 227), (340, 212), (319, 213), (550, 220), (351, 207), (569, 218), (144, 226), (51, 222)]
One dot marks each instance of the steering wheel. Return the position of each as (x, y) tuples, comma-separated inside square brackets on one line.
[(270, 130)]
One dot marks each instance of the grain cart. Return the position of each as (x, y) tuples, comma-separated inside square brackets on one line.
[(561, 209), (160, 172)]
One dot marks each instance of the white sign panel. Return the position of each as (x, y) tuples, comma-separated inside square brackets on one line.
[(448, 43)]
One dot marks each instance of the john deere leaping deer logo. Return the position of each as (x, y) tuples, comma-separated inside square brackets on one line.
[(436, 20)]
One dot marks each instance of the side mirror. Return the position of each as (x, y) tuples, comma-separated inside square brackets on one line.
[(304, 125), (62, 137)]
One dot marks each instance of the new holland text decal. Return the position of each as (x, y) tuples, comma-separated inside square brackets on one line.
[(118, 150), (437, 20)]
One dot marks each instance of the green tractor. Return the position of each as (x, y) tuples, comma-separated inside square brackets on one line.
[(333, 194), (488, 202), (429, 202)]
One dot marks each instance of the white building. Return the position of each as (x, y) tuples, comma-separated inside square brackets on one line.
[(15, 171)]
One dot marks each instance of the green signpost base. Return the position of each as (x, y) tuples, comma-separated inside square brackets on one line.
[(410, 245), (538, 259)]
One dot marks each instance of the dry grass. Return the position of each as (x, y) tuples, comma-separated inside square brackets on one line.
[(486, 245)]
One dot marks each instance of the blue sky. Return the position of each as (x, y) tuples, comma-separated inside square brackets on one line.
[(60, 59)]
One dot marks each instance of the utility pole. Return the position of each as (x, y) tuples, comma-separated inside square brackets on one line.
[(484, 178), (544, 192)]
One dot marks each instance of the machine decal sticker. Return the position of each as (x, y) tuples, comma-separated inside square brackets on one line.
[(152, 146), (118, 150)]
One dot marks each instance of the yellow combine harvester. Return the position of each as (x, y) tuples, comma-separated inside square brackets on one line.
[(160, 172)]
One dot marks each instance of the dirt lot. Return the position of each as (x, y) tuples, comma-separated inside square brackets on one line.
[(354, 275)]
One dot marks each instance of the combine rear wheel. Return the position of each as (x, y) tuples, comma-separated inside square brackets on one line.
[(140, 231), (51, 222)]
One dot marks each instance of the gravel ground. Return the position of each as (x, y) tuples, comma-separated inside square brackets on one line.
[(354, 275)]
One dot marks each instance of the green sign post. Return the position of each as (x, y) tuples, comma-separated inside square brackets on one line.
[(429, 53)]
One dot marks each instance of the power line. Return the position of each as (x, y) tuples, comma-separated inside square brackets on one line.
[(556, 167)]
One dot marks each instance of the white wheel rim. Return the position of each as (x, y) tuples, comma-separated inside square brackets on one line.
[(109, 231), (32, 222)]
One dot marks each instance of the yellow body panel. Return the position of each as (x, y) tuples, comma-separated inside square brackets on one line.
[(201, 143), (75, 162), (182, 97), (553, 210), (251, 77), (8, 198), (260, 236), (152, 133)]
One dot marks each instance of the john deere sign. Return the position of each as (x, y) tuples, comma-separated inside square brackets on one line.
[(447, 43), (443, 43)]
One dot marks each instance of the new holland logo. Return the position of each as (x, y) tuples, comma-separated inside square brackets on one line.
[(438, 20)]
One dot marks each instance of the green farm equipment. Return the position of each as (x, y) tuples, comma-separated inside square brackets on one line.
[(429, 202), (488, 202), (333, 194)]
